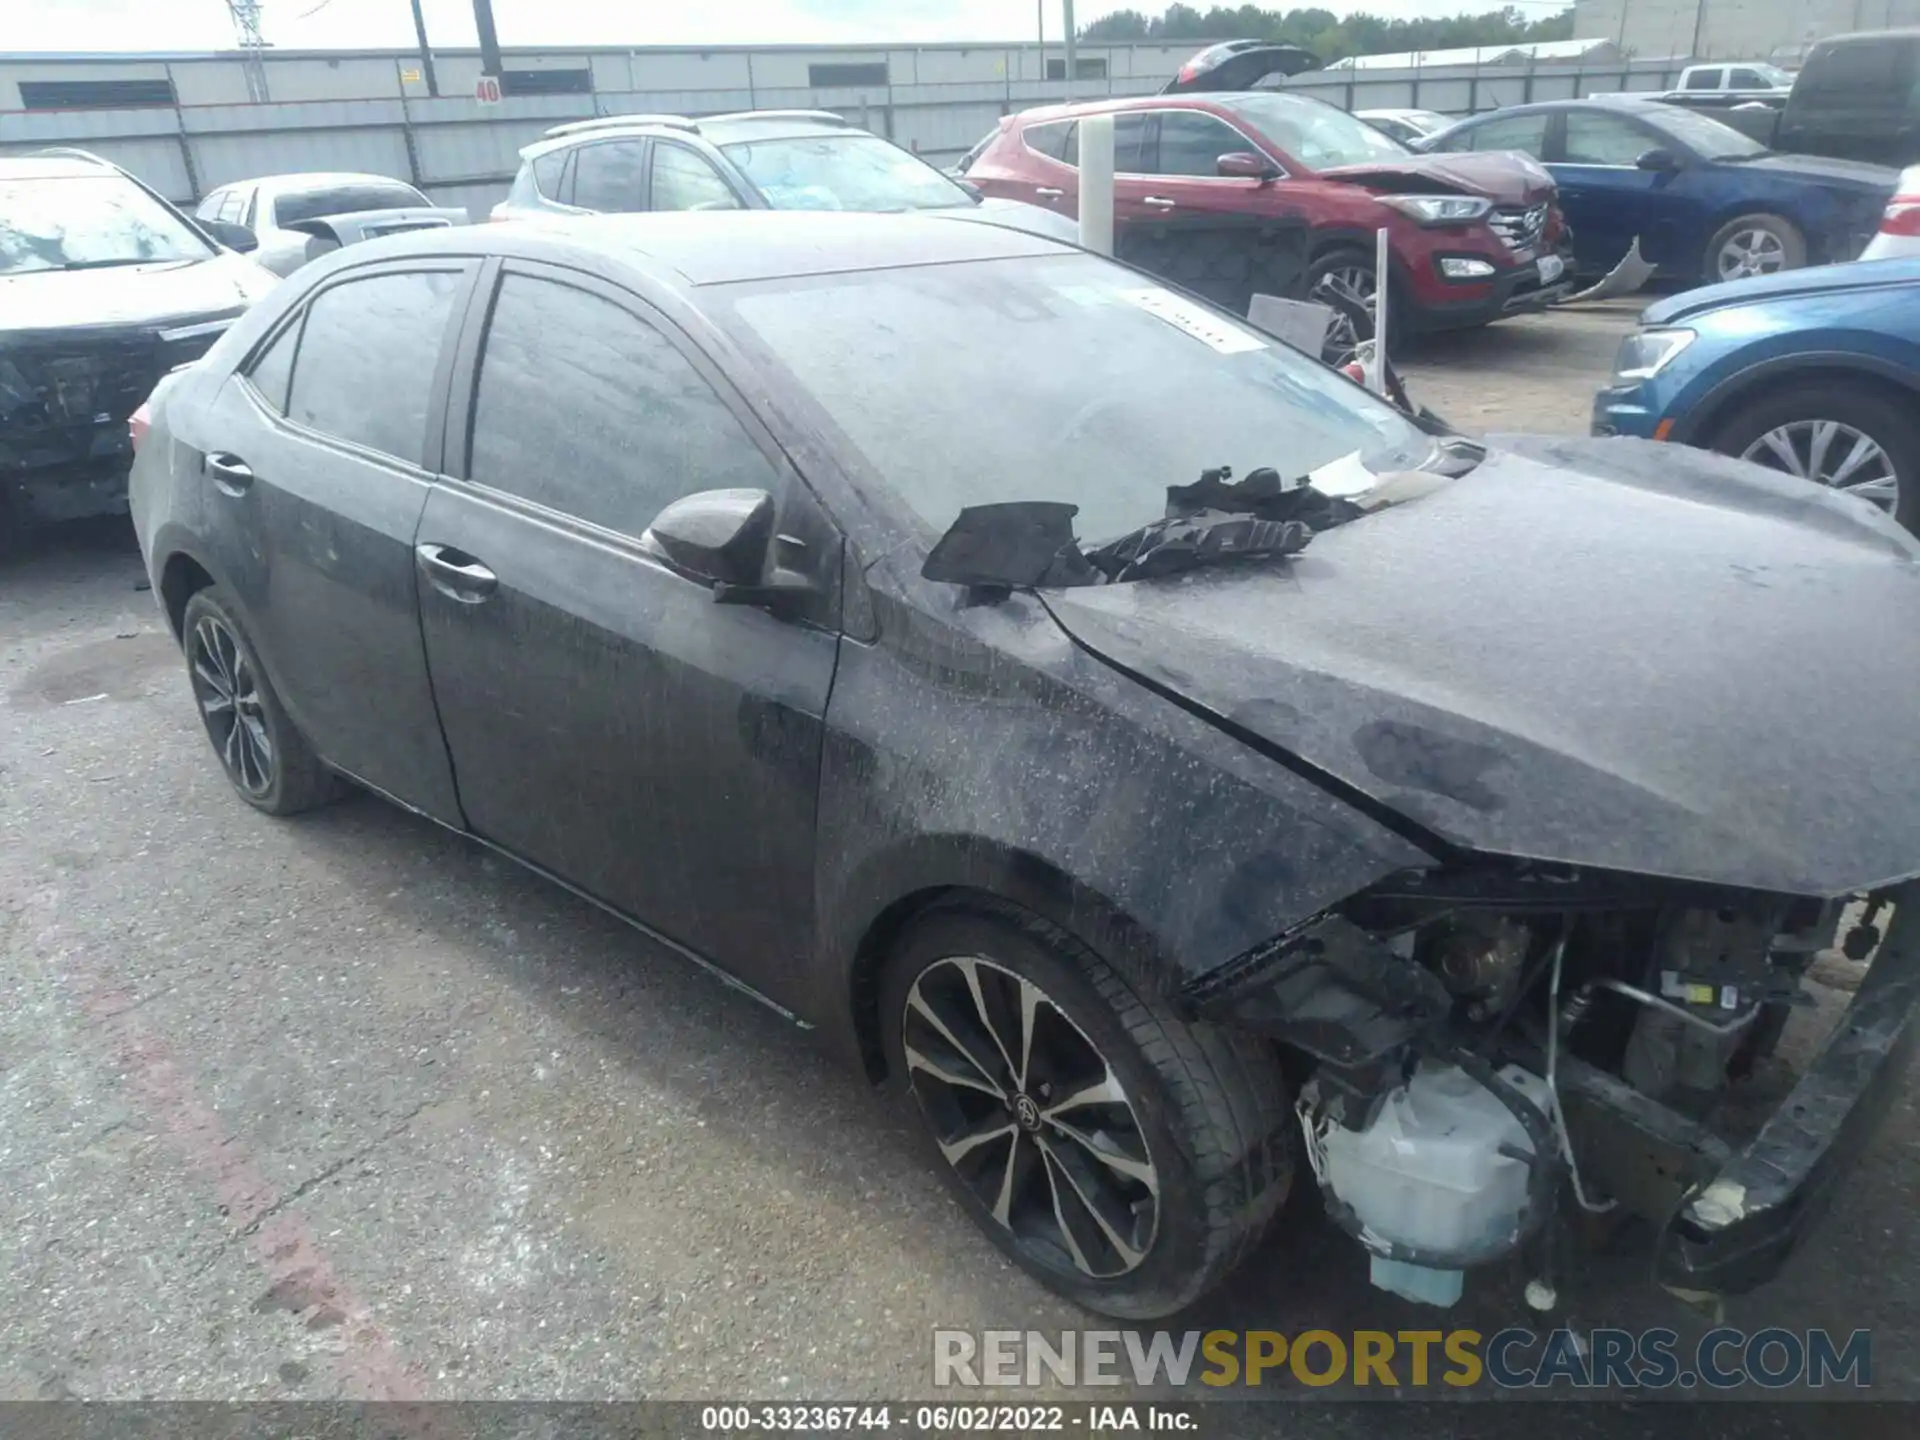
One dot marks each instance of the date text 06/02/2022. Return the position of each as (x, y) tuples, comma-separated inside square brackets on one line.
[(947, 1419)]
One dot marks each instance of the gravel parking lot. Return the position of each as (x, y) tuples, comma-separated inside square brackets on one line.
[(345, 1107)]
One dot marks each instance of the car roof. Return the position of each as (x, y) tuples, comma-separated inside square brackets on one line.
[(55, 165), (715, 129), (691, 248), (299, 180)]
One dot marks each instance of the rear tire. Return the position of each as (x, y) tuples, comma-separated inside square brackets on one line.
[(1791, 414), (1202, 1111), (1757, 244), (264, 755)]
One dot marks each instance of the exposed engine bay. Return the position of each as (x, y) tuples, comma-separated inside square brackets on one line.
[(1501, 1049)]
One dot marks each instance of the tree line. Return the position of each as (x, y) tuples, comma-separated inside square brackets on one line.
[(1327, 35)]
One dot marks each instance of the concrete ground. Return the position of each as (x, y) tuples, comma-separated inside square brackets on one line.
[(342, 1106)]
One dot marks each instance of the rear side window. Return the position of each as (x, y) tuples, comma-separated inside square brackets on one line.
[(546, 173), (274, 368), (366, 363), (1704, 80), (607, 177), (1053, 139), (585, 408)]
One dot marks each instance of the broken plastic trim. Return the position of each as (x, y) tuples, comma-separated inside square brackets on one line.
[(1626, 278), (1030, 543)]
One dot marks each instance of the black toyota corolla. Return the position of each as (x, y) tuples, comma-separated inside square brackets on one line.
[(1153, 755)]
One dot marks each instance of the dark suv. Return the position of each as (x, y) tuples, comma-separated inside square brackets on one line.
[(1474, 237), (104, 287)]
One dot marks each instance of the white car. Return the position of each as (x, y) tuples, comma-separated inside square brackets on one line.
[(1407, 126), (1900, 223), (296, 218)]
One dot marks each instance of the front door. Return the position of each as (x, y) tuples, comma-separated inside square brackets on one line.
[(326, 439), (608, 720), (1611, 202)]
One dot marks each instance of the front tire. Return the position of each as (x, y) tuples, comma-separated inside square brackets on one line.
[(266, 758), (1830, 431), (1758, 244), (1344, 280), (1123, 1157)]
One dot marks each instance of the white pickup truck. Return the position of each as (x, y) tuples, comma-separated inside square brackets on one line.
[(1712, 86)]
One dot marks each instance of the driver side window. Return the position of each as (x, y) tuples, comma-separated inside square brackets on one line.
[(1605, 140)]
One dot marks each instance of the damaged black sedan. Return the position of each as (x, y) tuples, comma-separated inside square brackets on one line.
[(1174, 769)]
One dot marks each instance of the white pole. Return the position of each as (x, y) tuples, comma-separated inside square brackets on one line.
[(1382, 258), (1096, 183), (1071, 63)]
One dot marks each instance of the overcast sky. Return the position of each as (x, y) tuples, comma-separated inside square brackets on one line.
[(292, 24)]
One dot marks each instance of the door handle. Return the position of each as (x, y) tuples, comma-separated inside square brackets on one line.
[(456, 574), (230, 474), (1049, 192), (1160, 202)]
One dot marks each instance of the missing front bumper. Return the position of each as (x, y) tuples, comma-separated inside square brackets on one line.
[(1735, 1228)]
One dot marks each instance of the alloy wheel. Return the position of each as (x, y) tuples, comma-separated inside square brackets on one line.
[(1753, 250), (1833, 454), (1353, 285), (229, 696), (1031, 1117)]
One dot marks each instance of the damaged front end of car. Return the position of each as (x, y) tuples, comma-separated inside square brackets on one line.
[(1497, 1047)]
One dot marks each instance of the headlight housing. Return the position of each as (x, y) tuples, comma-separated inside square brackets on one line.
[(1646, 353), (1439, 209)]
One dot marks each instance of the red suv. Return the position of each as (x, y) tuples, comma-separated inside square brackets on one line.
[(1474, 236)]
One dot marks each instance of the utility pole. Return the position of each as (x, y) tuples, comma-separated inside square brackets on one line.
[(246, 23), (1040, 20), (426, 50), (489, 41), (1066, 19)]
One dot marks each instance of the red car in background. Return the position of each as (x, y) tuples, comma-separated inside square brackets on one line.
[(1474, 236)]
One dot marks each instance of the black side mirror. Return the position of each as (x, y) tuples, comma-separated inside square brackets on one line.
[(722, 538), (1244, 165), (234, 237), (972, 189), (1661, 162)]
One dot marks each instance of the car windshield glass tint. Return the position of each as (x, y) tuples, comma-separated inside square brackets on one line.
[(1313, 133), (1703, 134), (1057, 379), (346, 200), (85, 221), (843, 172)]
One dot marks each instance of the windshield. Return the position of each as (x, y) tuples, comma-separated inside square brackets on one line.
[(1056, 378), (346, 200), (1702, 134), (843, 172), (1311, 131), (78, 222)]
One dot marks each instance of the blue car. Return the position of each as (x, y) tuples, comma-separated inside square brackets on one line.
[(1706, 202), (1815, 373)]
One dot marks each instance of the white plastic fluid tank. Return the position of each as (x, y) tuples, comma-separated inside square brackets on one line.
[(1428, 1171)]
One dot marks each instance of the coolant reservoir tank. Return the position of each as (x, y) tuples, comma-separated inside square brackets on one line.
[(1439, 1171)]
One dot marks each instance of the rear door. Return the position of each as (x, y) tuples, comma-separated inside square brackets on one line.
[(323, 447), (608, 721)]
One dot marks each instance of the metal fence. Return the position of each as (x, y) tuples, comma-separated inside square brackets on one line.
[(462, 154)]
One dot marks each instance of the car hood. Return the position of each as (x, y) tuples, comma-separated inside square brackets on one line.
[(1502, 177), (1785, 285), (1599, 653), (1844, 174), (131, 294), (1034, 219)]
